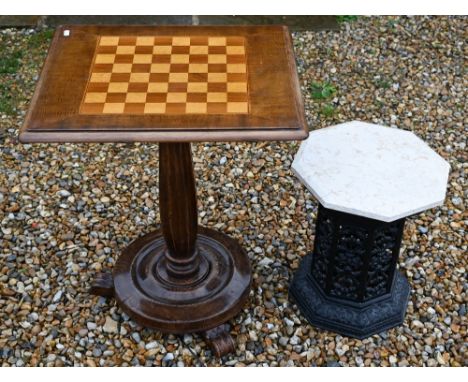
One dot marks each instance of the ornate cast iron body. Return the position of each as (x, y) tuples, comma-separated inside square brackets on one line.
[(350, 284)]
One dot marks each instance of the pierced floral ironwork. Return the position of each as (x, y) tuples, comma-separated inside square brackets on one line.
[(349, 283), (354, 257)]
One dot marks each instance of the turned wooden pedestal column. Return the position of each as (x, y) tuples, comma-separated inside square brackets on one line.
[(182, 278)]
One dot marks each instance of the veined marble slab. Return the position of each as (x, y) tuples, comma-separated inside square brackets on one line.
[(370, 170)]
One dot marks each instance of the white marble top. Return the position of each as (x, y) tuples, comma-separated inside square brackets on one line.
[(370, 170)]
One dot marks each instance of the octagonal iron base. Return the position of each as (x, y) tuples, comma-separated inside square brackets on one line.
[(358, 320)]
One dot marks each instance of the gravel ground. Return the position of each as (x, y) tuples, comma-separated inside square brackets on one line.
[(67, 210)]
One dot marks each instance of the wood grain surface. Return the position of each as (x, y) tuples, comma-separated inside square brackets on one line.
[(255, 96)]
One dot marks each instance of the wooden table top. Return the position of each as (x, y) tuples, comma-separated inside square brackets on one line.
[(167, 83)]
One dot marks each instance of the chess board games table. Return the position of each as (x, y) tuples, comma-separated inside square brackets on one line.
[(172, 85)]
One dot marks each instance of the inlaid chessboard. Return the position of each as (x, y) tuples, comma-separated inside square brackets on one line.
[(167, 75)]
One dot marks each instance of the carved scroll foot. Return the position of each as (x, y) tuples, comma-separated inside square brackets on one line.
[(220, 341), (103, 285)]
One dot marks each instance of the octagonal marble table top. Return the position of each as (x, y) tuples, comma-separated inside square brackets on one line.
[(372, 171)]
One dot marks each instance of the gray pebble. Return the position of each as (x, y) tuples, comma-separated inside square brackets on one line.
[(168, 357), (422, 229), (91, 325), (136, 337), (63, 193), (462, 310), (188, 338), (57, 296), (151, 345), (83, 332), (456, 201)]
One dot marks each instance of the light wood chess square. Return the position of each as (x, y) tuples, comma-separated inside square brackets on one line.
[(145, 41), (217, 41), (100, 77), (142, 58), (118, 87), (168, 75), (180, 59), (109, 40), (197, 87), (217, 59), (162, 49), (139, 77), (199, 49), (136, 98), (105, 59), (160, 68)]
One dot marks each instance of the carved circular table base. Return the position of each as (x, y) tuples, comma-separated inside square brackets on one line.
[(147, 292), (358, 320)]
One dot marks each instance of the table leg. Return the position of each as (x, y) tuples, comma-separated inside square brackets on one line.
[(349, 284), (183, 277)]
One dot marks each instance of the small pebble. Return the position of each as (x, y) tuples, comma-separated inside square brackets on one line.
[(151, 345), (136, 337), (63, 193), (91, 325), (57, 296), (83, 332), (110, 325)]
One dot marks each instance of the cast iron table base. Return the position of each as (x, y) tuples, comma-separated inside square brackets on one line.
[(182, 278), (349, 284)]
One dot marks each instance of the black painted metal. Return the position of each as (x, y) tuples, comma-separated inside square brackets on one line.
[(349, 283)]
